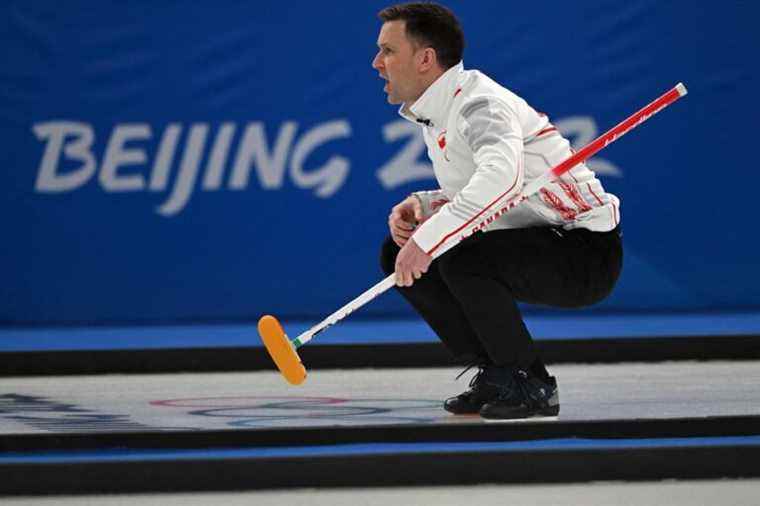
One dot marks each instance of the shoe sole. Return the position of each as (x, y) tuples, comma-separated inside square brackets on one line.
[(527, 419), (477, 412), (552, 411)]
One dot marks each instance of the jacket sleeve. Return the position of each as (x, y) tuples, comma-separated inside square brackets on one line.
[(493, 134), (431, 201)]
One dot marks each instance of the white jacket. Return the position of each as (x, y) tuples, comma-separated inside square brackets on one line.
[(484, 141)]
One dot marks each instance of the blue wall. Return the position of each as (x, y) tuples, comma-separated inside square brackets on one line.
[(177, 161)]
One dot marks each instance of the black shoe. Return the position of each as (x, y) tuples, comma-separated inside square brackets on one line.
[(470, 401), (522, 395)]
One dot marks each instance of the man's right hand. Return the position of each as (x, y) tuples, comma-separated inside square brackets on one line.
[(404, 218)]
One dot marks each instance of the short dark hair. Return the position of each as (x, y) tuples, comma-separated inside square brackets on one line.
[(430, 24)]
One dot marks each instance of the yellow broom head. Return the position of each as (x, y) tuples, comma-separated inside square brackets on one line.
[(281, 350)]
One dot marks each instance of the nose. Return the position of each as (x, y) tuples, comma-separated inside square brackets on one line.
[(377, 62)]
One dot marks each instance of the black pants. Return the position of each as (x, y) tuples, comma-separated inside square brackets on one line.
[(469, 295)]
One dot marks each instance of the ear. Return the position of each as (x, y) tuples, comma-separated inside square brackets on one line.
[(428, 59)]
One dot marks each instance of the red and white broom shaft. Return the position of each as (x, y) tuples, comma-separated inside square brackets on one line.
[(500, 207)]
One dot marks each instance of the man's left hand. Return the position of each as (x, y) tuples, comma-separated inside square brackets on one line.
[(411, 263)]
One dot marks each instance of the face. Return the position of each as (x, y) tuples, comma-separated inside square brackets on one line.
[(398, 61)]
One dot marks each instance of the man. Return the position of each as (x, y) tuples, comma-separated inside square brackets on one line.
[(559, 248)]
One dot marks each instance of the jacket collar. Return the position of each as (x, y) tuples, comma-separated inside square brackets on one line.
[(432, 108)]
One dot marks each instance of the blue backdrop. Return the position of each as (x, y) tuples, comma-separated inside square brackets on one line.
[(212, 161)]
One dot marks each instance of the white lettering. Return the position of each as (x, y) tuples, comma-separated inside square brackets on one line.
[(188, 171), (55, 133), (160, 174), (328, 178), (118, 156), (124, 164), (270, 167), (215, 167), (405, 166)]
